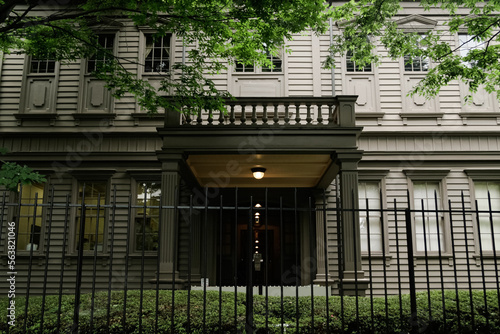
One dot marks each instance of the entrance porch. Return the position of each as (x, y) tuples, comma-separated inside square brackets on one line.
[(302, 145)]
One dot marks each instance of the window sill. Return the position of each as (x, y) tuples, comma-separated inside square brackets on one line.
[(377, 256), (51, 117), (420, 258), (421, 114), (488, 256), (106, 117), (264, 74), (479, 115), (139, 117)]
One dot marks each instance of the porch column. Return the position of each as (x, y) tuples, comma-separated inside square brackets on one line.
[(322, 278), (170, 183), (353, 277)]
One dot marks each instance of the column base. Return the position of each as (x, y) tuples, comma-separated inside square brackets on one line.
[(354, 283), (321, 279), (169, 281)]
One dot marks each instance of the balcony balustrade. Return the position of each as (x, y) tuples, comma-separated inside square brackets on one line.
[(274, 111)]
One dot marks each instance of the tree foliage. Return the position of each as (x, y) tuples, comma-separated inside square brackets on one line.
[(220, 29), (226, 30), (12, 174), (366, 22), (223, 31)]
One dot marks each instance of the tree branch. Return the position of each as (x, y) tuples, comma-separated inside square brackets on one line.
[(83, 14), (460, 46)]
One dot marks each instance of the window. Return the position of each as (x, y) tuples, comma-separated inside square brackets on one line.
[(488, 196), (351, 65), (30, 217), (157, 56), (240, 67), (94, 195), (429, 227), (416, 63), (103, 55), (275, 60), (370, 191), (42, 66), (147, 218), (467, 43)]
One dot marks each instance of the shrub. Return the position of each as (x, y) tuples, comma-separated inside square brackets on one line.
[(350, 314)]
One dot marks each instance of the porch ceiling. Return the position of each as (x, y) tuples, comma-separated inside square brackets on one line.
[(282, 170)]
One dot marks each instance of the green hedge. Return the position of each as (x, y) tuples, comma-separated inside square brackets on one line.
[(355, 318)]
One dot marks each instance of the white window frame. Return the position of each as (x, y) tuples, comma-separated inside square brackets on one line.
[(377, 176), (421, 60), (136, 182), (73, 240), (114, 50), (42, 217), (474, 177), (431, 176), (143, 46), (259, 70)]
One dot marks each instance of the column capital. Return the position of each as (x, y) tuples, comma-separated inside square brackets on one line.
[(348, 156)]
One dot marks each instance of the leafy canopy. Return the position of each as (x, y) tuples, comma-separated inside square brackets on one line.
[(66, 30), (225, 30), (219, 29), (475, 61)]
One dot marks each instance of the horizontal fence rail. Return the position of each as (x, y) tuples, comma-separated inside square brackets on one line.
[(239, 263)]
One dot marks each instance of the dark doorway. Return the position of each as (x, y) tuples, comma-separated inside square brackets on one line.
[(273, 248)]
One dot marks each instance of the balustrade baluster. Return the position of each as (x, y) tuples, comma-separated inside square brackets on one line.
[(210, 117), (287, 116), (254, 114), (276, 118), (308, 117), (188, 118), (243, 115), (320, 115), (199, 120), (221, 117), (264, 113), (297, 113), (330, 113), (231, 115)]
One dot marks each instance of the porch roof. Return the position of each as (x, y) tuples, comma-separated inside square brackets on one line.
[(296, 152)]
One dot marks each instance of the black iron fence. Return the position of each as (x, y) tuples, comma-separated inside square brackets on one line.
[(241, 262)]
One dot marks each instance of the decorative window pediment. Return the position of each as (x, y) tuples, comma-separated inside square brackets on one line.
[(416, 23)]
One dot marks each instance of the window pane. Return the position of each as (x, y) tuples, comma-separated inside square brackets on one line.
[(93, 229), (42, 65), (488, 196), (416, 63), (30, 219), (147, 220), (276, 61), (104, 54), (157, 54), (370, 220), (428, 220), (352, 67)]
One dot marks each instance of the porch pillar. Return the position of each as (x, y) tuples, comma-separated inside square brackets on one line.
[(322, 278), (353, 279), (170, 183)]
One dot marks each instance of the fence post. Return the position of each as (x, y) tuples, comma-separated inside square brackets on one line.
[(249, 289), (79, 269), (411, 273)]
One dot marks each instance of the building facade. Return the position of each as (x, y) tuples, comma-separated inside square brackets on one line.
[(351, 136)]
